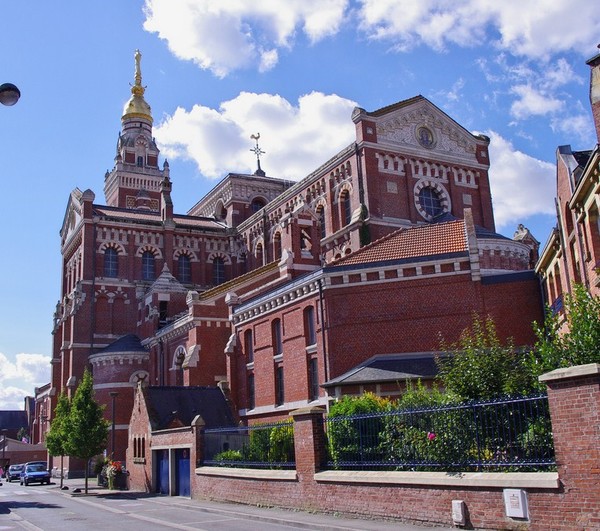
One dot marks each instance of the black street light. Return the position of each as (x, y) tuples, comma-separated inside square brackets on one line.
[(9, 94), (113, 395)]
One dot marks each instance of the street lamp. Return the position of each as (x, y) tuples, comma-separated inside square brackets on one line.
[(9, 94), (113, 395), (4, 430)]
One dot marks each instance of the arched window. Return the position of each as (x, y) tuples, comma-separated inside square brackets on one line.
[(259, 255), (251, 398), (256, 205), (248, 346), (220, 212), (111, 262), (276, 337), (430, 201), (277, 246), (218, 271), (346, 208), (310, 334), (184, 268), (323, 226), (148, 266), (279, 386)]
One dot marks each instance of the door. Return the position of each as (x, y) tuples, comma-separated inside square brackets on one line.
[(182, 472), (162, 471)]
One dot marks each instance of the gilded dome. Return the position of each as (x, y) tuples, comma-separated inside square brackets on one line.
[(137, 107)]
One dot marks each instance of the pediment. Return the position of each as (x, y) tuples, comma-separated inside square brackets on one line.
[(423, 127), (72, 217)]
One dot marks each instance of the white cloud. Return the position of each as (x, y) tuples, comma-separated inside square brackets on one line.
[(577, 126), (296, 138), (528, 29), (522, 186), (225, 36), (20, 377), (533, 102)]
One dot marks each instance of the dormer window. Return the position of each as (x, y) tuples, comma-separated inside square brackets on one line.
[(140, 161)]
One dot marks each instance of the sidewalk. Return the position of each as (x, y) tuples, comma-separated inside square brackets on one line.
[(273, 515)]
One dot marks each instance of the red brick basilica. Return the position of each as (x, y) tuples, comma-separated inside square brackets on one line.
[(285, 294)]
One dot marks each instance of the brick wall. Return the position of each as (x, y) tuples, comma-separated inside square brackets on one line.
[(566, 500)]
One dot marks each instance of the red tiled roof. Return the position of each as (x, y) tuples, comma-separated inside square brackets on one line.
[(416, 242)]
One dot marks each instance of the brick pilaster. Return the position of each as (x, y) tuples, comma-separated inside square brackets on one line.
[(574, 400)]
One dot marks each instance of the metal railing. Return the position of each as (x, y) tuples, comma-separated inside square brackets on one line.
[(256, 446), (505, 434)]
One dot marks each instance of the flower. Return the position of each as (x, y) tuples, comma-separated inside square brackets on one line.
[(431, 435), (111, 470)]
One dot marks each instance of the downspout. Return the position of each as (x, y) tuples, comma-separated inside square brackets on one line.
[(323, 335), (93, 297)]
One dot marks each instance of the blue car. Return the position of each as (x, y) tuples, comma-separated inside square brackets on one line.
[(35, 473), (14, 472)]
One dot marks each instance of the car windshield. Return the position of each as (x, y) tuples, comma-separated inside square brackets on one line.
[(36, 468), (15, 467)]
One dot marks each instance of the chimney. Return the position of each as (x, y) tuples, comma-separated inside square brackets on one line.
[(594, 63)]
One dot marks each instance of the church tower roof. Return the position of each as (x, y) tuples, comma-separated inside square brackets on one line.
[(137, 107)]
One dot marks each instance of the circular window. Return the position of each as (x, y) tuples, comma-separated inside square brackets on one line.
[(425, 137), (431, 202)]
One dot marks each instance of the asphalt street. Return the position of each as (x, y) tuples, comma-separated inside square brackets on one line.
[(48, 508)]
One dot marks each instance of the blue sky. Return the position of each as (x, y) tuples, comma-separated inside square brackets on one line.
[(293, 70)]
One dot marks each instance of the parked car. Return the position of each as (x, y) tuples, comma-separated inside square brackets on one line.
[(14, 472), (35, 473)]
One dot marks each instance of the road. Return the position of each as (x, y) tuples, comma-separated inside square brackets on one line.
[(47, 508)]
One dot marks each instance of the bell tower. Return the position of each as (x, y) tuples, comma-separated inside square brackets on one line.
[(135, 180)]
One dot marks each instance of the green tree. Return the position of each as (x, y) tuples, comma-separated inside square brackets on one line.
[(57, 436), (479, 366), (579, 344), (86, 429)]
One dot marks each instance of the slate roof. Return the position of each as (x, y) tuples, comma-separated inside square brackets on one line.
[(13, 420), (146, 216), (170, 406), (388, 368), (128, 343), (420, 241)]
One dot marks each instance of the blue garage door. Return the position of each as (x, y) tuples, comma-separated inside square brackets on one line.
[(182, 472), (162, 471)]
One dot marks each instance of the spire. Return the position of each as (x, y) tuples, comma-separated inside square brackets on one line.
[(256, 149), (137, 107)]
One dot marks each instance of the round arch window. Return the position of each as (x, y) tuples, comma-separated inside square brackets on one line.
[(431, 202)]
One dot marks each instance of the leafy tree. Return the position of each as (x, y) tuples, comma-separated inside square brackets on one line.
[(575, 341), (22, 434), (56, 436), (86, 429), (481, 367)]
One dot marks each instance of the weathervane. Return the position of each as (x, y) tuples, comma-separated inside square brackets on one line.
[(258, 152)]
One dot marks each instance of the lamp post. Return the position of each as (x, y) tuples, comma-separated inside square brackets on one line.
[(113, 395), (4, 430), (9, 94)]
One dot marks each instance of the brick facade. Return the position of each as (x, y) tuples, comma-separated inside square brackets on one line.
[(183, 284)]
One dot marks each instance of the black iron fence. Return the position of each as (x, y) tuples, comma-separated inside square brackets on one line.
[(257, 446), (506, 434)]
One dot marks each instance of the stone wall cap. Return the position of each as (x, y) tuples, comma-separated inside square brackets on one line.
[(310, 410), (577, 371)]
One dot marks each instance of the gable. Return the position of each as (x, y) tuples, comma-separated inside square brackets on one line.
[(423, 127), (72, 217)]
